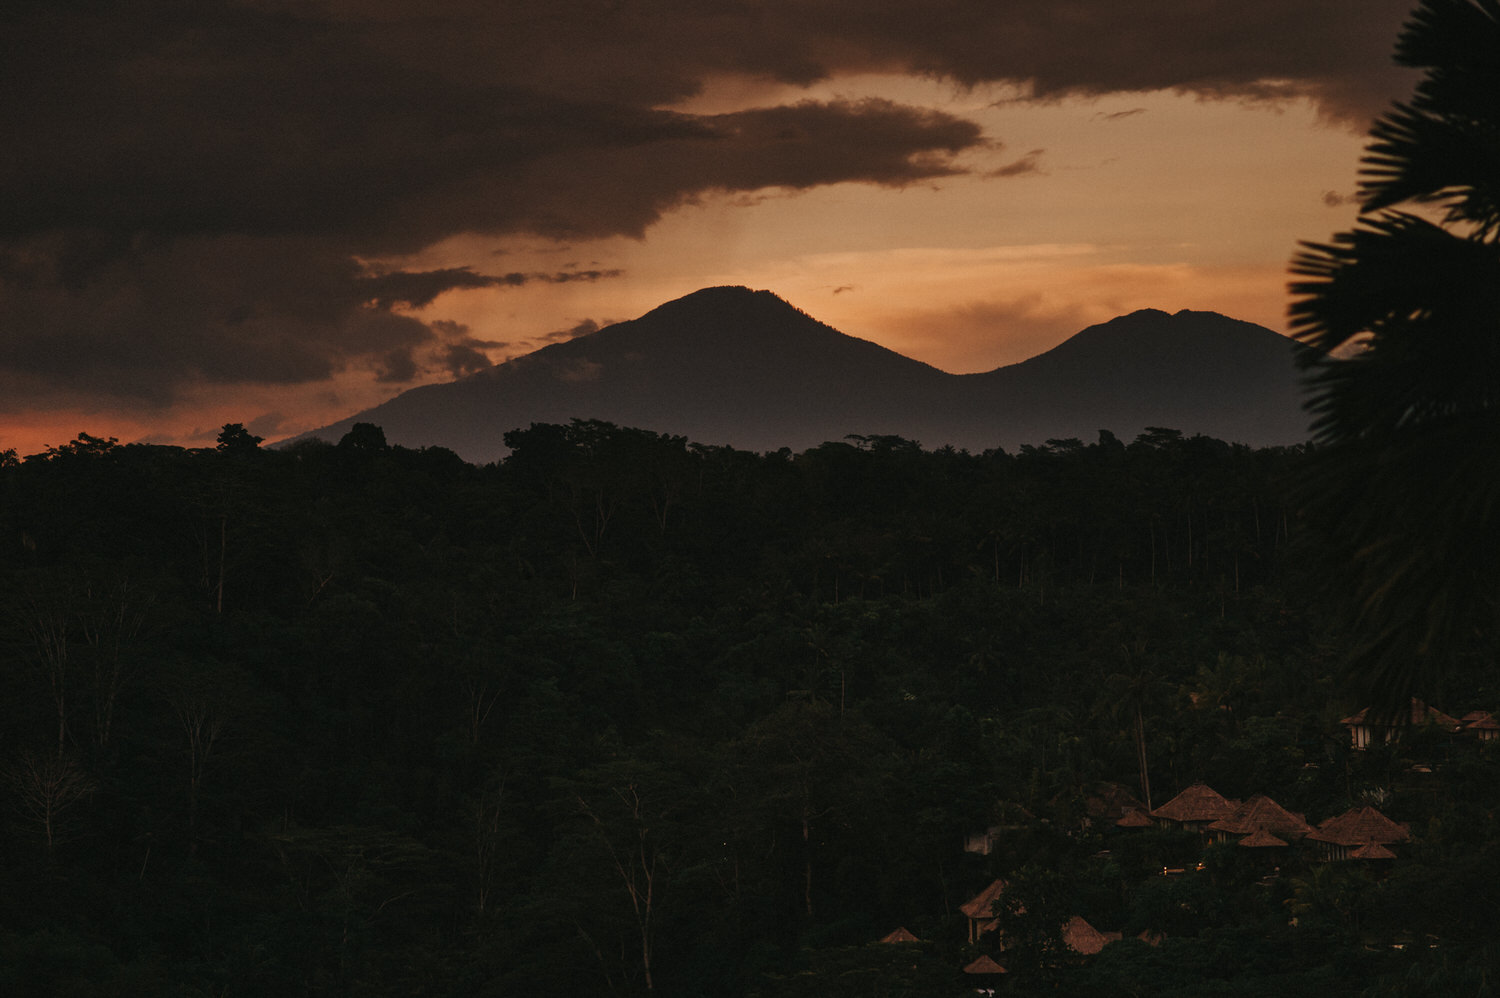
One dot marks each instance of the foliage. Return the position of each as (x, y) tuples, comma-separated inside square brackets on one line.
[(366, 720), (1402, 315)]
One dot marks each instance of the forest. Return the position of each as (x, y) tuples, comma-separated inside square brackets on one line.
[(624, 714)]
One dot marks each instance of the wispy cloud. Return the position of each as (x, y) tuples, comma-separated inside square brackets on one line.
[(1029, 163)]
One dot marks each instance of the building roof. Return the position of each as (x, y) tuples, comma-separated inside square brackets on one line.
[(1360, 826), (1261, 813), (1111, 801), (1081, 937), (1260, 839), (1136, 818), (1479, 720), (899, 936), (982, 905), (1418, 712), (984, 965), (1198, 802), (1372, 851)]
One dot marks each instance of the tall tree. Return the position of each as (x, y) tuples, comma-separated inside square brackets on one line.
[(43, 789), (1403, 315)]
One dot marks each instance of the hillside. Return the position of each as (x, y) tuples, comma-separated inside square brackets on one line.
[(740, 367)]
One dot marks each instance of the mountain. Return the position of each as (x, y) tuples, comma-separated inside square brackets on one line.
[(1199, 372), (734, 366)]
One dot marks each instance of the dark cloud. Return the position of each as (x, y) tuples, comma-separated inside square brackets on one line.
[(461, 359), (460, 353), (269, 425), (216, 310), (623, 190), (584, 328), (417, 289), (1026, 164), (452, 331), (191, 184), (1336, 52), (397, 367)]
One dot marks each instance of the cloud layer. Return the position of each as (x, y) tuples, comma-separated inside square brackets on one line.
[(197, 188)]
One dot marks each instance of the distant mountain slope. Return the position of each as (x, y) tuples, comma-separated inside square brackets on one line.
[(735, 366), (1199, 372)]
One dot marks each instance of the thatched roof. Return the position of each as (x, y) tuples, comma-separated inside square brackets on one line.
[(1418, 712), (1198, 802), (899, 936), (984, 965), (1360, 826), (1260, 839), (982, 904), (1372, 851), (1479, 720), (1261, 813), (1111, 801), (1136, 818), (1081, 937)]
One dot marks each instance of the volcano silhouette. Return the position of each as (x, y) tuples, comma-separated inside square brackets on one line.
[(733, 366)]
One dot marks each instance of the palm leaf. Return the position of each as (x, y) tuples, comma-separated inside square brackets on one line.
[(1444, 146), (1402, 316), (1418, 307)]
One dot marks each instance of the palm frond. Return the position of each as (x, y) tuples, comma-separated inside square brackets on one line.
[(1418, 311), (1402, 320), (1424, 158), (1444, 145), (1412, 556)]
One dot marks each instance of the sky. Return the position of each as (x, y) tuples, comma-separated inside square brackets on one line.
[(279, 213)]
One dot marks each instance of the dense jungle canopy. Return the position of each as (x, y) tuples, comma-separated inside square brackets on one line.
[(622, 713)]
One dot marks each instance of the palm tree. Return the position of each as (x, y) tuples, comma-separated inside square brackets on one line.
[(1131, 690), (1402, 316)]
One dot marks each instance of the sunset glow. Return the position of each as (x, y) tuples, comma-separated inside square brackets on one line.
[(361, 200)]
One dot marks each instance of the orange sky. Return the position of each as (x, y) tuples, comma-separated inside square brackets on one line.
[(898, 187)]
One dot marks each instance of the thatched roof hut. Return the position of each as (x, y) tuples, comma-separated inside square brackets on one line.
[(1481, 724), (1196, 807), (1110, 802), (980, 910), (1260, 839), (899, 936), (1368, 726), (1261, 813), (985, 965), (1081, 937), (1372, 850), (1341, 836)]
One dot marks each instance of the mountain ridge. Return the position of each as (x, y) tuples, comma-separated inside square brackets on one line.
[(732, 365)]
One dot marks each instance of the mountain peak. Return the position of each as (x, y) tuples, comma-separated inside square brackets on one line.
[(1157, 316), (723, 292), (744, 367), (1167, 330), (719, 303)]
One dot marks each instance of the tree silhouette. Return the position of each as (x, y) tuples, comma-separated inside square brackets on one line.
[(1403, 315), (235, 439)]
